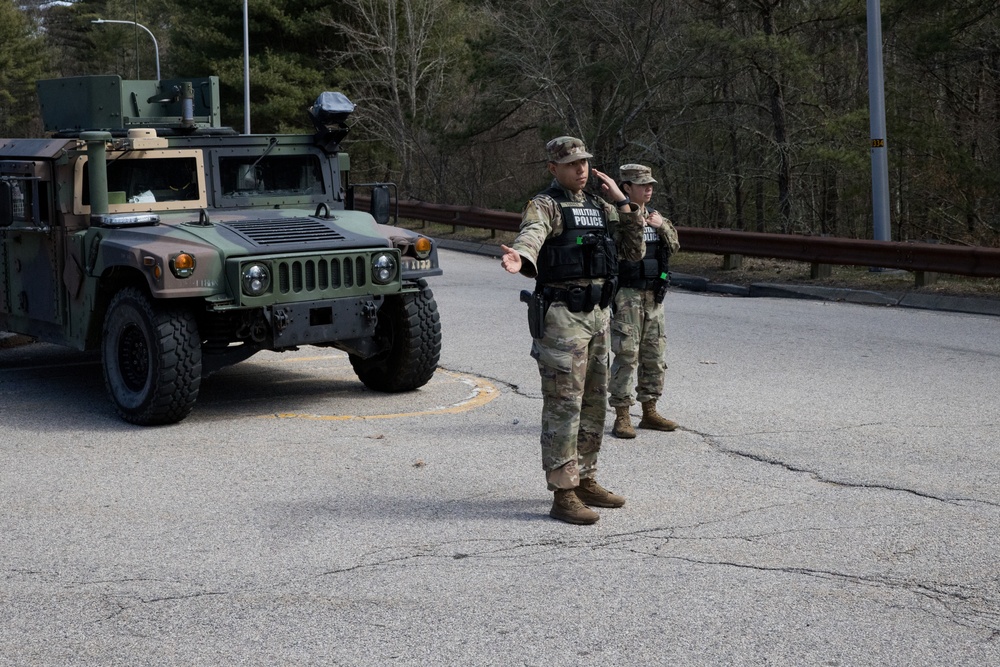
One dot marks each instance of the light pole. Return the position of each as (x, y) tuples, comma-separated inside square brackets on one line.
[(156, 46), (246, 67), (876, 105)]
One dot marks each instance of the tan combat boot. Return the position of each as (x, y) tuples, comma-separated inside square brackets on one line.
[(623, 423), (654, 420), (567, 507), (595, 495)]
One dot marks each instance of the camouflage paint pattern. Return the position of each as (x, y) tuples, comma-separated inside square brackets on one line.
[(55, 265)]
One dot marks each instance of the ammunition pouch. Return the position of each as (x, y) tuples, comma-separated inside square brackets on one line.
[(582, 299)]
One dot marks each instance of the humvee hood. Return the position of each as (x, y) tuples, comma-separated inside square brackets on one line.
[(265, 232)]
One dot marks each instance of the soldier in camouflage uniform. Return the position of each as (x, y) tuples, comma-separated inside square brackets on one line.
[(565, 244), (638, 338)]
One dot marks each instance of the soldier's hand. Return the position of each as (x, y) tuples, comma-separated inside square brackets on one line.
[(655, 220), (510, 260), (609, 189)]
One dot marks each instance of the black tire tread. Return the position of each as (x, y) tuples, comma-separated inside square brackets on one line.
[(177, 362), (416, 349)]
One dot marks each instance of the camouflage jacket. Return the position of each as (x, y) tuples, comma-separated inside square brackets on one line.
[(666, 231), (541, 219)]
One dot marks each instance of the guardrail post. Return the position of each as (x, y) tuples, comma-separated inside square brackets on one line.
[(925, 278), (817, 270), (731, 262)]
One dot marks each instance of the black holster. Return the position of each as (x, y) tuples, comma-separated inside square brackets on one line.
[(660, 286), (537, 307), (608, 292), (662, 282)]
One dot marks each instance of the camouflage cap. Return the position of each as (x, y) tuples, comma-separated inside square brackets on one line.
[(636, 174), (566, 149)]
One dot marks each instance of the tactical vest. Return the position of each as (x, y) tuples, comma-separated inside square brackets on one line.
[(653, 264), (584, 249)]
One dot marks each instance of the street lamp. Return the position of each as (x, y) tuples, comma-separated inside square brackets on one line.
[(156, 46), (246, 67)]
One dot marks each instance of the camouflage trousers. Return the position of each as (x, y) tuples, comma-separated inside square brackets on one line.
[(638, 340), (573, 364)]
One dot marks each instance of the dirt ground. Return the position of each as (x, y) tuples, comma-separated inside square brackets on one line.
[(764, 270)]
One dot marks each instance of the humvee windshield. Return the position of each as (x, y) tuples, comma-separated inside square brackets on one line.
[(250, 176), (149, 180)]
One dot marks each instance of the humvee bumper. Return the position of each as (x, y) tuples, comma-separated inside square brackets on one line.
[(327, 321)]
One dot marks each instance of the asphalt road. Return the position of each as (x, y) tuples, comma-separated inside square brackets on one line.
[(831, 499)]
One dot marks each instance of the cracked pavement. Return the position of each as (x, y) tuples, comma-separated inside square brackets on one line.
[(830, 499)]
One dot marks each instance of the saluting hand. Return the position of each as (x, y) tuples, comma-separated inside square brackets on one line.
[(511, 260), (609, 188)]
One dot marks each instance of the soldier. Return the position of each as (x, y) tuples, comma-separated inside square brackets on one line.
[(638, 338), (565, 244)]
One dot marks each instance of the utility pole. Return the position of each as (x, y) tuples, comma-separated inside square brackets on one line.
[(876, 106)]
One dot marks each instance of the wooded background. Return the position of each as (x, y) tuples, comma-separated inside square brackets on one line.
[(753, 113)]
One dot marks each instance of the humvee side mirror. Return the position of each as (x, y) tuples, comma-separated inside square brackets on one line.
[(6, 204), (380, 204)]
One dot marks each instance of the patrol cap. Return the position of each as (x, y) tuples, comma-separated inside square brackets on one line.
[(636, 174), (566, 149)]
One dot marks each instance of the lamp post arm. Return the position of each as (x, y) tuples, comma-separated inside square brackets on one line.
[(156, 46)]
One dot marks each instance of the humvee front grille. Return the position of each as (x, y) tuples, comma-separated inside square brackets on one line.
[(298, 276), (301, 278), (285, 230)]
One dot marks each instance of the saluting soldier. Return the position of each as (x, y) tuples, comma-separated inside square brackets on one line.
[(565, 243), (638, 335)]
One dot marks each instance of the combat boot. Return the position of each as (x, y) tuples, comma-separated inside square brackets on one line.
[(623, 423), (652, 419), (567, 507), (595, 495)]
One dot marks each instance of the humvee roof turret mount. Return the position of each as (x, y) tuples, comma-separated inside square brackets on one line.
[(143, 228)]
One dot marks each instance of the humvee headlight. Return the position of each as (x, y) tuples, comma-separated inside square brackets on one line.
[(383, 268), (422, 247), (182, 265), (256, 279), (126, 220)]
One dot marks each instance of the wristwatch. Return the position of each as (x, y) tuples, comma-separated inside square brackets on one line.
[(619, 204)]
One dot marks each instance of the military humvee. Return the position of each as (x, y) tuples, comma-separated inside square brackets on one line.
[(144, 228)]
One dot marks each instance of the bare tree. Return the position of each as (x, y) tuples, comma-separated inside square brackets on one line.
[(401, 57)]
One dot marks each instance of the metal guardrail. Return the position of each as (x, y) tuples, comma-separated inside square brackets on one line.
[(973, 261)]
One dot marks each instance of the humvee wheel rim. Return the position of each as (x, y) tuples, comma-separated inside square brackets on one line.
[(133, 358)]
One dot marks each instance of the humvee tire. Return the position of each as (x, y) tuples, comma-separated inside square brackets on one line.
[(411, 325), (151, 358)]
